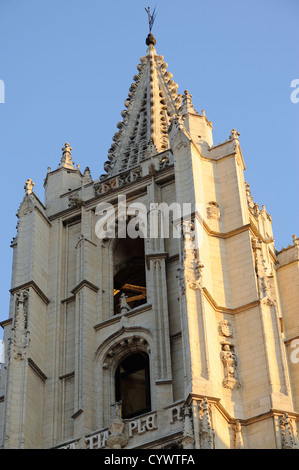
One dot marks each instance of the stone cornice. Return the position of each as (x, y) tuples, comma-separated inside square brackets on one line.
[(294, 261), (117, 318), (37, 370), (35, 287), (72, 298), (232, 311), (287, 341), (153, 256), (254, 231), (229, 234), (5, 323), (83, 284), (161, 177), (70, 375), (60, 168), (272, 412)]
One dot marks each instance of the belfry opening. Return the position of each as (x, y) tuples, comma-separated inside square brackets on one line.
[(129, 280), (132, 385)]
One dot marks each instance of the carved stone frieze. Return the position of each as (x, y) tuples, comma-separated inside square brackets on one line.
[(122, 179), (164, 162)]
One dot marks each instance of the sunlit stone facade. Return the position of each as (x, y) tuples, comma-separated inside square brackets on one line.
[(158, 342)]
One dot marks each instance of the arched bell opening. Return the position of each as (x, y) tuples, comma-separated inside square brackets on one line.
[(129, 278)]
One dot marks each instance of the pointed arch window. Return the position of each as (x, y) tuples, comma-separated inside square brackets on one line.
[(132, 385)]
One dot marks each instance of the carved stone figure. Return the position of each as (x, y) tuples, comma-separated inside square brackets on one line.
[(124, 306), (229, 360)]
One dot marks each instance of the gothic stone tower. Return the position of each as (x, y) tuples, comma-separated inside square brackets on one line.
[(153, 342)]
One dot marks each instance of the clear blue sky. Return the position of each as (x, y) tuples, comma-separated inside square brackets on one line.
[(67, 66)]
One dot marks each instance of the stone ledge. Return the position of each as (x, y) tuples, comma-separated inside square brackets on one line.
[(35, 287)]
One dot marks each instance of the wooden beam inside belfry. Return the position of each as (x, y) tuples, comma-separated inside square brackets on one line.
[(133, 288)]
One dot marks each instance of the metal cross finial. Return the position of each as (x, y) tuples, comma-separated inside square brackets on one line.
[(151, 17)]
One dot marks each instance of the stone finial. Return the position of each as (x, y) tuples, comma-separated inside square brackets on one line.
[(66, 159), (151, 149), (67, 150), (234, 135), (150, 40), (295, 240), (87, 178), (29, 186), (187, 105)]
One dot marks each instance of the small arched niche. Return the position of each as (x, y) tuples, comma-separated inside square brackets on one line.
[(132, 385), (129, 278)]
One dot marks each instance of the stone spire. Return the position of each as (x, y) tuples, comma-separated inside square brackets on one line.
[(151, 104)]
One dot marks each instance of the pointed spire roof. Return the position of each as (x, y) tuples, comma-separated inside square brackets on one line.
[(151, 104)]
